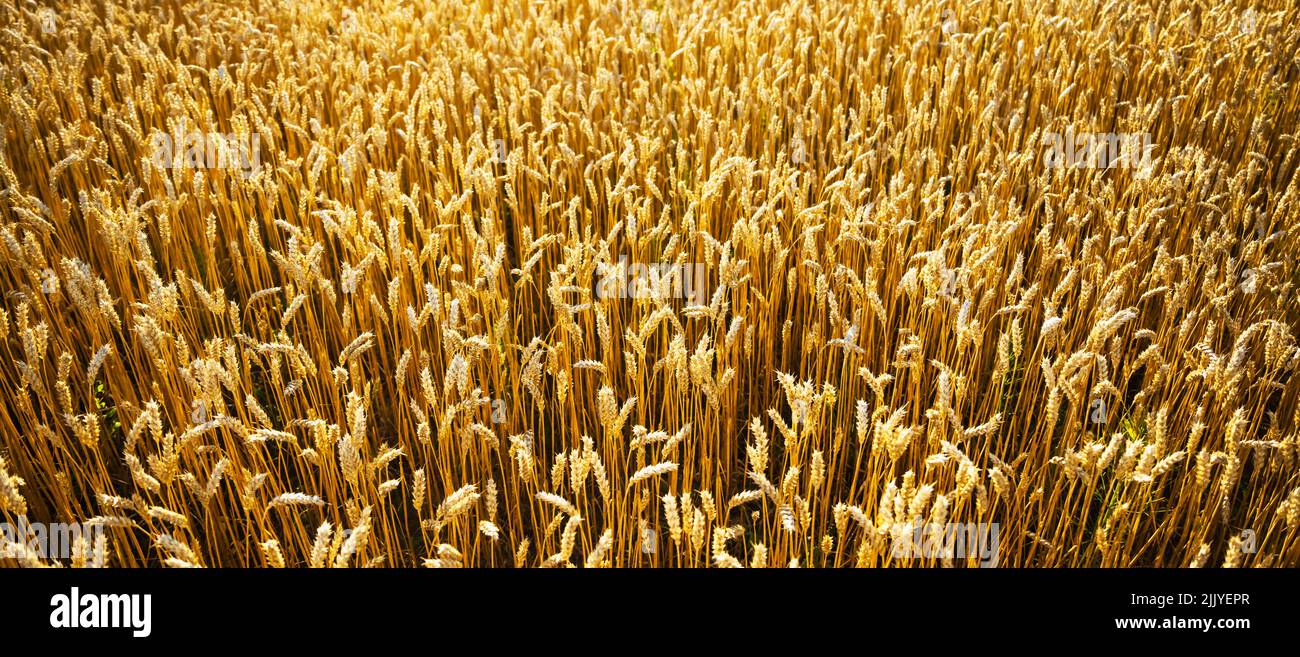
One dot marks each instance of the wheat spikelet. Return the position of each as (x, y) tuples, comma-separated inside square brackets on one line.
[(651, 471), (296, 499)]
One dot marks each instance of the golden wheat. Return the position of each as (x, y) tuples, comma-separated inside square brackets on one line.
[(534, 284)]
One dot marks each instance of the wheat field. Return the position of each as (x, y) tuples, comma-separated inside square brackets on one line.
[(650, 284)]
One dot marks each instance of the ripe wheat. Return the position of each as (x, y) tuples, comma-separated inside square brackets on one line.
[(382, 338)]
